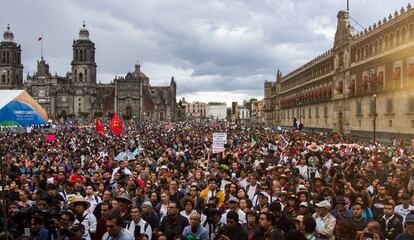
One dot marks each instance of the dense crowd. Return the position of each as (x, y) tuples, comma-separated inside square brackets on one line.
[(162, 181)]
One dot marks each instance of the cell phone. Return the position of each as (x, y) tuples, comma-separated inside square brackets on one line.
[(27, 232), (137, 231)]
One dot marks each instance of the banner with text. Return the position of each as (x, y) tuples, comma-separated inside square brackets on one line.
[(219, 139)]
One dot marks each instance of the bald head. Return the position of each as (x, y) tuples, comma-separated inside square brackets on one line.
[(195, 219)]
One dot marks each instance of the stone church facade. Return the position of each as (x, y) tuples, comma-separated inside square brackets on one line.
[(363, 85), (78, 94)]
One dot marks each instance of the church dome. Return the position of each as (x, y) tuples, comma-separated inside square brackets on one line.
[(83, 33), (8, 35)]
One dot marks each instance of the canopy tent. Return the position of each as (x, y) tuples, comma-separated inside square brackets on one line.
[(18, 108)]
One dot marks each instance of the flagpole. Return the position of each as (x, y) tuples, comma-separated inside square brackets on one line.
[(41, 46)]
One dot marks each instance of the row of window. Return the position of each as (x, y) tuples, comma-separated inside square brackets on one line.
[(6, 79), (9, 57), (383, 43), (81, 55), (389, 109)]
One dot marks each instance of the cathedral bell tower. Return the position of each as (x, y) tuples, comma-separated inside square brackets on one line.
[(11, 68), (83, 75), (83, 63)]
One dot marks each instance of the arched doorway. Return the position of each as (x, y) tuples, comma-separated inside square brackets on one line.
[(128, 112)]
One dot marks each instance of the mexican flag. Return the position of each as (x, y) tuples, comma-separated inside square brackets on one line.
[(253, 141)]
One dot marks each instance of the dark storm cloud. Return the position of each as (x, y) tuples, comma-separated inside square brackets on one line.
[(211, 47)]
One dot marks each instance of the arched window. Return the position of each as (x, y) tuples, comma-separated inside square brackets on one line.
[(81, 77), (81, 55), (3, 78)]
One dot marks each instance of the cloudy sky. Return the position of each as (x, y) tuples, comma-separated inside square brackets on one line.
[(216, 50)]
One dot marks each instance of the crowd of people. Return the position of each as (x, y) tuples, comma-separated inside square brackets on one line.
[(168, 184)]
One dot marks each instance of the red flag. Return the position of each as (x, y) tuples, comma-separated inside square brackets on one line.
[(50, 138), (217, 121), (116, 125), (99, 127)]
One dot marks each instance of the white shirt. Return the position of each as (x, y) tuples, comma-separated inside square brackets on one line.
[(303, 170), (242, 216), (251, 192), (131, 228), (89, 221), (243, 182), (403, 212), (126, 172), (93, 200)]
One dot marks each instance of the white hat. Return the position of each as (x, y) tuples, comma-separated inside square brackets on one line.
[(303, 204), (324, 204)]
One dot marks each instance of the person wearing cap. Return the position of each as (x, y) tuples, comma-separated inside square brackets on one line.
[(233, 204), (124, 204), (340, 212), (303, 209), (408, 234), (405, 208), (151, 217), (325, 222), (80, 207), (391, 223), (232, 230)]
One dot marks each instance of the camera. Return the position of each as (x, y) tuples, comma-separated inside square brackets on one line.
[(211, 213)]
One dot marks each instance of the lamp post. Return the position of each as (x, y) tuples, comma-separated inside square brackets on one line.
[(371, 72)]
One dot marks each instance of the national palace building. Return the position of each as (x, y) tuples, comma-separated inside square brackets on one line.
[(342, 89)]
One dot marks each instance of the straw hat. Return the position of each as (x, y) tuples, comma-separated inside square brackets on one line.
[(74, 199)]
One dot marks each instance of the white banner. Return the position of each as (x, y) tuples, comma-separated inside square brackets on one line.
[(219, 139)]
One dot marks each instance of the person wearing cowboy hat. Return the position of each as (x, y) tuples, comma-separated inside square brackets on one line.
[(80, 205)]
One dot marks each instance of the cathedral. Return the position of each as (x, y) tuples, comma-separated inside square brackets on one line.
[(78, 94)]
